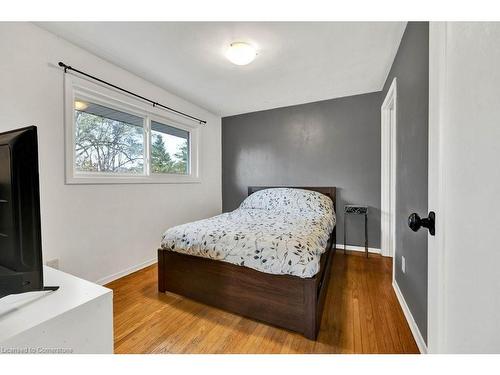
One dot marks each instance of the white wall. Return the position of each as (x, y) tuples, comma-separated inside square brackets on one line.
[(96, 231), (464, 256)]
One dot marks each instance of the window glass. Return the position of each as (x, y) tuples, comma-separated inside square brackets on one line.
[(169, 149), (107, 140)]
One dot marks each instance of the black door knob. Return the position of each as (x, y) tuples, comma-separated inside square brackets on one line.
[(415, 222)]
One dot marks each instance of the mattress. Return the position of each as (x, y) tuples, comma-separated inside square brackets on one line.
[(277, 231)]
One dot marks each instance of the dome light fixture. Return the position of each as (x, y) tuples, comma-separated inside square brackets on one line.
[(241, 53)]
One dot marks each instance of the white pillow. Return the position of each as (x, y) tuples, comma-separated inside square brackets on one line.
[(288, 199)]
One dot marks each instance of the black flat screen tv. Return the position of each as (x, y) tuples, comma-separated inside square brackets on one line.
[(20, 232)]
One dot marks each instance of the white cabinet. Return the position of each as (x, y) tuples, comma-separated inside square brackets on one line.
[(77, 318)]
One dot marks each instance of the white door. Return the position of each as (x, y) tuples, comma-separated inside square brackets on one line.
[(464, 188)]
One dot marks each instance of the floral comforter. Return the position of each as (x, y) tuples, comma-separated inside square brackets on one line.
[(279, 231)]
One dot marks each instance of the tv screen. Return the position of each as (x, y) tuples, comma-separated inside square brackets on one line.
[(20, 232)]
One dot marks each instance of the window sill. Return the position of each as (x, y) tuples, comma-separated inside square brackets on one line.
[(114, 180)]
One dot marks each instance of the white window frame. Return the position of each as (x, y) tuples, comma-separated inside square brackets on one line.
[(76, 87)]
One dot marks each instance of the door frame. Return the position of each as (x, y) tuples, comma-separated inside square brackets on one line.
[(388, 169), (436, 189)]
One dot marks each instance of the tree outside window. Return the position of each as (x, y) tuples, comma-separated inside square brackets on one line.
[(111, 141)]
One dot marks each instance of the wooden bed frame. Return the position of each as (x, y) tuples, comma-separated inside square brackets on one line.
[(285, 301)]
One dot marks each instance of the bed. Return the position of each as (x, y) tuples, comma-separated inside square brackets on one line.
[(268, 260)]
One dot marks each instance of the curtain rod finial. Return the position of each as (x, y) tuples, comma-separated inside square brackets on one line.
[(63, 65)]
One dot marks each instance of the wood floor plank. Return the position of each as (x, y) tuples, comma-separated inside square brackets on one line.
[(362, 315), (370, 342)]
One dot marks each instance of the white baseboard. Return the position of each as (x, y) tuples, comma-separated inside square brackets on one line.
[(409, 318), (358, 248), (125, 272)]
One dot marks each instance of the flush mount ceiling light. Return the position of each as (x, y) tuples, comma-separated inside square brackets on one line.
[(241, 53)]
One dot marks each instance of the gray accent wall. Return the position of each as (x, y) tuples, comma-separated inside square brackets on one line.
[(411, 68), (337, 142), (329, 143)]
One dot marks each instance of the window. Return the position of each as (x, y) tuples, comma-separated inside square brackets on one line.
[(169, 149), (111, 138)]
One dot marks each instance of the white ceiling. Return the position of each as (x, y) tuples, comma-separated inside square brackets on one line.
[(297, 62)]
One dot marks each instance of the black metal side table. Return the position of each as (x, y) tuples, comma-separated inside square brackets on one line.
[(355, 209)]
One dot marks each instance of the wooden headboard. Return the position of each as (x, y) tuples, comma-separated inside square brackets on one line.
[(329, 191)]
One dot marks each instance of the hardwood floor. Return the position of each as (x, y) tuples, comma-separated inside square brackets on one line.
[(361, 315)]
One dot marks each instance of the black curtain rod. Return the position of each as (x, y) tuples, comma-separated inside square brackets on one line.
[(155, 104)]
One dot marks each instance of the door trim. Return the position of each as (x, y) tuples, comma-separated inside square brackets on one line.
[(436, 292), (388, 172)]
